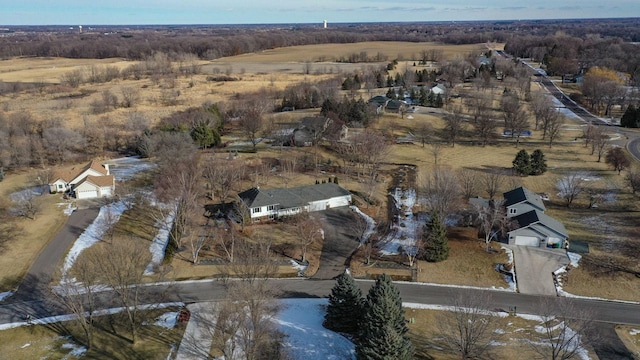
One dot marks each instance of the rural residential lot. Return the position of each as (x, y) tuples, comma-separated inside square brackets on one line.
[(193, 143)]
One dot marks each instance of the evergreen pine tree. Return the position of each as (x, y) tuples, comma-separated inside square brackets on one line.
[(630, 117), (345, 309), (522, 163), (335, 180), (438, 102), (391, 94), (538, 163), (384, 329), (436, 246), (1, 173)]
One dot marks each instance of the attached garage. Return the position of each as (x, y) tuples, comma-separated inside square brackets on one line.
[(527, 241), (86, 194)]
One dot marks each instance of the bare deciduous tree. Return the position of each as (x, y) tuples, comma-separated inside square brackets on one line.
[(492, 182), (441, 191), (454, 124), (570, 187), (120, 266), (470, 328), (308, 230), (559, 336), (469, 181), (632, 180), (26, 205), (492, 220), (79, 296)]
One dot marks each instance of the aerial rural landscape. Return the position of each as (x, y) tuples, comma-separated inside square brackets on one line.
[(353, 190)]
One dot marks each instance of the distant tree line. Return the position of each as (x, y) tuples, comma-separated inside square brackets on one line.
[(211, 42)]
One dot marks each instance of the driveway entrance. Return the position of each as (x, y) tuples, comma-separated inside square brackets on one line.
[(534, 268)]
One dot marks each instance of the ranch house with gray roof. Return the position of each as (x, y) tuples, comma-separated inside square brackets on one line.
[(279, 202)]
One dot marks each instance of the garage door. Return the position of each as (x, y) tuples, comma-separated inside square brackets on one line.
[(87, 194), (527, 240)]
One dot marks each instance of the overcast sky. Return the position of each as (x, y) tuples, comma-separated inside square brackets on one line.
[(123, 12)]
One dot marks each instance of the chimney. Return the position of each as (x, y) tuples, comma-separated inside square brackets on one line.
[(106, 166)]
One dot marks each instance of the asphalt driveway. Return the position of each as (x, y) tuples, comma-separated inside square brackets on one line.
[(535, 267), (339, 242)]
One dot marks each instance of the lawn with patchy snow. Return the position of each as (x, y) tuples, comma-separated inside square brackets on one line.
[(301, 321), (405, 230)]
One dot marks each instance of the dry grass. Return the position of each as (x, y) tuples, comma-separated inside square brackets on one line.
[(631, 341), (426, 337), (468, 264), (45, 342)]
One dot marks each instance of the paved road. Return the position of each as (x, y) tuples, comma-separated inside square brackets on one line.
[(534, 268), (338, 244), (35, 285)]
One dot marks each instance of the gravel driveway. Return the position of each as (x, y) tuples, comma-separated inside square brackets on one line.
[(534, 268)]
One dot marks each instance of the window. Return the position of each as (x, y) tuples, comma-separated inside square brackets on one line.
[(271, 207), (59, 186), (256, 210), (512, 211)]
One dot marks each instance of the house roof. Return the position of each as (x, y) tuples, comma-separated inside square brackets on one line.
[(522, 194), (540, 222), (293, 197), (101, 181), (315, 124), (70, 174), (479, 202)]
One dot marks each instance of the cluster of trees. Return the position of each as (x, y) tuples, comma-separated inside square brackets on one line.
[(534, 164), (353, 112), (377, 322), (563, 53)]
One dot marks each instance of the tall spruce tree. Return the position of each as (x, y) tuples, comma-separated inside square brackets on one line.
[(631, 117), (522, 163), (538, 163), (383, 331), (346, 304), (436, 247)]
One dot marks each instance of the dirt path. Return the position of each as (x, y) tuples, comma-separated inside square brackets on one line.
[(339, 243), (35, 284)]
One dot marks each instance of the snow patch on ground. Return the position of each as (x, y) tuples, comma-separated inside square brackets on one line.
[(159, 243), (4, 295), (167, 320), (92, 234), (634, 332), (306, 338), (127, 167), (76, 350), (405, 230), (300, 267), (574, 258), (371, 224), (69, 208), (510, 279)]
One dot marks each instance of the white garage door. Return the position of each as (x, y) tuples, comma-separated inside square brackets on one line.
[(527, 240), (87, 194)]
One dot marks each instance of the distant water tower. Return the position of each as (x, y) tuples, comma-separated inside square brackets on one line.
[(324, 24), (80, 28)]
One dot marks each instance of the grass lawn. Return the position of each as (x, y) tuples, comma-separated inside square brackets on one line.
[(631, 337), (510, 337), (111, 340)]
